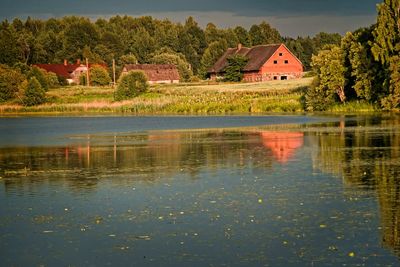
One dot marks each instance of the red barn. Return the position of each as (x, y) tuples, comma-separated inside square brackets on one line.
[(265, 63)]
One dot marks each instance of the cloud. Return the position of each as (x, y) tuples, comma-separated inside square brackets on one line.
[(290, 17), (249, 8), (288, 26)]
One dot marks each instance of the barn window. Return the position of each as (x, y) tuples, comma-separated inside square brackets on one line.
[(286, 61), (275, 61), (280, 54)]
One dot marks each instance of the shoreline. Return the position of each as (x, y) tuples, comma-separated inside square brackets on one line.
[(274, 97)]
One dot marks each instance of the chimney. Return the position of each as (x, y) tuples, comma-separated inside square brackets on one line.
[(78, 61), (65, 62), (239, 46)]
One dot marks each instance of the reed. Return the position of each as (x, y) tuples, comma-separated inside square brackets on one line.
[(185, 98)]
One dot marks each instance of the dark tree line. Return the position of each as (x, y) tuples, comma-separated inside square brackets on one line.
[(123, 37)]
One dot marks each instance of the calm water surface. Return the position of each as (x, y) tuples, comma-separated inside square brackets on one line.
[(200, 191)]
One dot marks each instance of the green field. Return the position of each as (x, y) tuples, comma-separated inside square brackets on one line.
[(200, 98)]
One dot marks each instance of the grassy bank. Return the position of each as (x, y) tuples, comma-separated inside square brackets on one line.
[(202, 98)]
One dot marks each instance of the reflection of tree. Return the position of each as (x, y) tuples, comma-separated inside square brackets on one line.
[(149, 158), (367, 156)]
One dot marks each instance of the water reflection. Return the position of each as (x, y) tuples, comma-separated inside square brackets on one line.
[(272, 165), (366, 153), (283, 144)]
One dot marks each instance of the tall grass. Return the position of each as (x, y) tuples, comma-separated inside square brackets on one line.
[(199, 98)]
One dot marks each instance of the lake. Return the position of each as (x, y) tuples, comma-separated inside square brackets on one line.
[(200, 191)]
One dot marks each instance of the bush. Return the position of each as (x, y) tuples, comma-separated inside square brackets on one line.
[(10, 82), (99, 76), (131, 85), (52, 79), (318, 98), (34, 93), (40, 76)]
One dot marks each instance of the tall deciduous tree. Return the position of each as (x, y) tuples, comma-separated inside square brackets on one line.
[(386, 49), (213, 52), (264, 34), (329, 65)]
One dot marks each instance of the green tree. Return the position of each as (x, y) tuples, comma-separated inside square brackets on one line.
[(9, 52), (10, 81), (34, 93), (362, 66), (329, 66), (40, 76), (127, 59), (52, 79), (144, 45), (79, 33), (243, 36), (264, 34), (386, 50), (234, 70), (213, 52), (392, 100), (176, 59), (131, 84), (99, 76), (322, 39)]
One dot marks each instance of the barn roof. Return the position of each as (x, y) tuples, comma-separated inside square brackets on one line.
[(156, 72), (59, 69), (257, 56)]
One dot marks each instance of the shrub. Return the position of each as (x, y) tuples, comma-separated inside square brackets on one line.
[(34, 93), (99, 76), (131, 85), (318, 98), (40, 76), (52, 79), (10, 81)]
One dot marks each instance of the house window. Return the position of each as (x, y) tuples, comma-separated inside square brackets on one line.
[(283, 78), (275, 77), (275, 61), (280, 54), (286, 61)]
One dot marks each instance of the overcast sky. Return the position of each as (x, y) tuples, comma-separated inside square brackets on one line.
[(290, 17)]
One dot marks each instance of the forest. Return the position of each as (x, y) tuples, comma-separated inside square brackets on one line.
[(143, 40)]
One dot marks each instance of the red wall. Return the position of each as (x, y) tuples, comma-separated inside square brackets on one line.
[(270, 71)]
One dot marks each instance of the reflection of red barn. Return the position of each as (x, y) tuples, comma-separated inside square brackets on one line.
[(265, 62), (282, 144)]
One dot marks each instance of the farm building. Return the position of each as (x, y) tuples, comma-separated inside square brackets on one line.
[(156, 73), (265, 63), (71, 72)]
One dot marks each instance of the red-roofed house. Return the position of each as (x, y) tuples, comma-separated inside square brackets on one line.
[(156, 73), (265, 63), (71, 72)]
